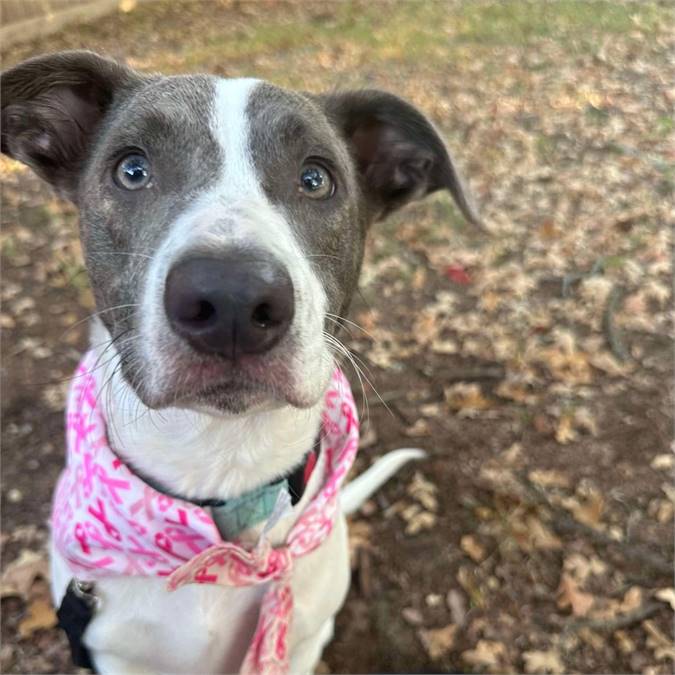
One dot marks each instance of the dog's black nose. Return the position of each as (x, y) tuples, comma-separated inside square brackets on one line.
[(239, 304)]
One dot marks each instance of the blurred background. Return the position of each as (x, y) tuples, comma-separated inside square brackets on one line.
[(534, 363)]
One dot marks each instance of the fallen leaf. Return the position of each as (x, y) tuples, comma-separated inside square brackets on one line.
[(438, 642), (466, 398), (565, 432), (658, 642), (513, 454), (543, 662), (666, 595), (419, 429), (457, 274), (20, 574), (541, 536), (424, 520), (548, 478), (665, 462), (487, 653), (624, 642), (589, 511), (127, 6), (472, 547), (40, 615), (423, 491), (569, 595)]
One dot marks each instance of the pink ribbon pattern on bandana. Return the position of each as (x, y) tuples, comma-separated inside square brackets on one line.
[(106, 521)]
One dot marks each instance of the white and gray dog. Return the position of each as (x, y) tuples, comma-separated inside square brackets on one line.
[(223, 225)]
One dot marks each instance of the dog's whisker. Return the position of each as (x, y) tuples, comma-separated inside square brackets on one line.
[(123, 253), (368, 381), (337, 319), (94, 315), (345, 352)]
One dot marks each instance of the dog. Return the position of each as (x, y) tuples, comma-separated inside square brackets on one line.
[(197, 526)]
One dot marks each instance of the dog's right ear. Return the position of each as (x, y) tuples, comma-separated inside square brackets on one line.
[(51, 108)]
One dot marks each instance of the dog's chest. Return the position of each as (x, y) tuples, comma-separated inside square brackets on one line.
[(140, 627)]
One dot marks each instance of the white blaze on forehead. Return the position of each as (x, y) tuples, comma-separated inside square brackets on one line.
[(230, 127)]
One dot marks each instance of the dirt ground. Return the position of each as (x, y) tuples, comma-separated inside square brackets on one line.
[(533, 363)]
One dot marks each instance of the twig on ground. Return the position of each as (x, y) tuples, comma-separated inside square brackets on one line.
[(623, 620), (609, 327)]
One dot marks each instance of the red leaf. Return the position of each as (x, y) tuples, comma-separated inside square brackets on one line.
[(457, 274)]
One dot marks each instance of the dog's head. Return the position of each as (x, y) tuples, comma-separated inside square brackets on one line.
[(222, 221)]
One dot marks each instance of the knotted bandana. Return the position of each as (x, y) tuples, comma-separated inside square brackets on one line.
[(106, 521)]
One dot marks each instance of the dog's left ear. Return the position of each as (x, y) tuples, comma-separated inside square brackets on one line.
[(399, 154), (51, 108)]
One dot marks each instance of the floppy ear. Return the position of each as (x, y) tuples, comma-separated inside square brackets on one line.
[(51, 108), (400, 155)]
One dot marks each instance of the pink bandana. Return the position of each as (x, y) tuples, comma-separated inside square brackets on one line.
[(106, 521)]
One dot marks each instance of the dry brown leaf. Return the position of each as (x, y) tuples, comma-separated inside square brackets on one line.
[(666, 595), (589, 512), (438, 642), (472, 547), (467, 399), (569, 595), (515, 392), (566, 364), (486, 653), (40, 615), (419, 429), (664, 462), (624, 642), (548, 478), (658, 642), (20, 574), (565, 432), (424, 520), (543, 662), (423, 491), (541, 536), (513, 454)]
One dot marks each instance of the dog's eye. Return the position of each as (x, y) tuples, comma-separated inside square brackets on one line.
[(316, 182), (133, 172)]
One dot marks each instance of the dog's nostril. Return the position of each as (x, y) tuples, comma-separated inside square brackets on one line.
[(262, 316), (199, 311), (205, 311)]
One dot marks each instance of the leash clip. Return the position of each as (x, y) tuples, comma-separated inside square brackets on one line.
[(84, 590)]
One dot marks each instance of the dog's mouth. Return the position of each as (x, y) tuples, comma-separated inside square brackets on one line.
[(215, 384)]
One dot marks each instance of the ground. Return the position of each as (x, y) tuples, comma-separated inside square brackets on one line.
[(532, 361)]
